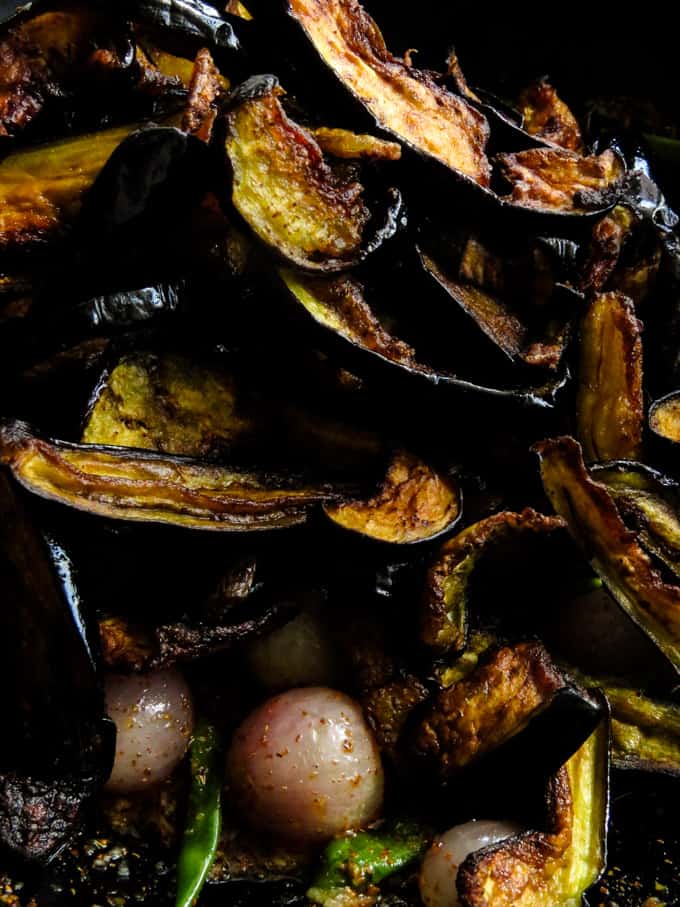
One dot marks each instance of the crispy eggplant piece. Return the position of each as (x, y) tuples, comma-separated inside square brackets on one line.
[(205, 89), (613, 551), (610, 405), (445, 604), (339, 307), (345, 144), (125, 646), (608, 238), (649, 503), (555, 866), (42, 189), (142, 486), (414, 504), (508, 329), (548, 117), (406, 102), (57, 743), (193, 20), (286, 192), (664, 417), (559, 181), (513, 696)]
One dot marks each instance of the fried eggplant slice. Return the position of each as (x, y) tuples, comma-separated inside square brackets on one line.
[(664, 417), (559, 181), (547, 117), (555, 866), (509, 330), (338, 306), (406, 102), (42, 188), (129, 484), (414, 504), (610, 405), (445, 604), (58, 744), (613, 551), (205, 89), (508, 696), (286, 191)]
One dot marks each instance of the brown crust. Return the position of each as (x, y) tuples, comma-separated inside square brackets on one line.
[(414, 503), (610, 404), (122, 483), (613, 551), (445, 600), (125, 646), (548, 117), (664, 417), (405, 101), (301, 208), (487, 707), (608, 237), (553, 179), (205, 88)]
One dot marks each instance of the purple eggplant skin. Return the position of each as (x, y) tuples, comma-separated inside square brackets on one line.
[(58, 744)]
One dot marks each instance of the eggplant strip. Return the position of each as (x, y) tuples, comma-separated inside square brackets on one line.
[(344, 144), (42, 189), (406, 102), (556, 866), (445, 606), (556, 180), (284, 189), (414, 504), (664, 417), (547, 117), (123, 483), (610, 406), (613, 550)]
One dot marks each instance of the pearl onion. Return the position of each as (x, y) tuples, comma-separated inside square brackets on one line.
[(154, 720), (305, 766), (440, 865)]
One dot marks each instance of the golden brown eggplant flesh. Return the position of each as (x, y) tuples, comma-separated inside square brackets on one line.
[(42, 188), (546, 116), (404, 101), (614, 552), (128, 484), (414, 504), (610, 406), (664, 417), (286, 191), (555, 866), (445, 604), (554, 180), (510, 695)]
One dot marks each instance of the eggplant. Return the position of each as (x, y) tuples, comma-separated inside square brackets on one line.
[(515, 706), (193, 20), (406, 102), (142, 486), (609, 235), (614, 552), (58, 744), (610, 406), (342, 143), (37, 202), (560, 181), (302, 209), (557, 865), (664, 417), (338, 306), (445, 602), (546, 116), (414, 504), (205, 89)]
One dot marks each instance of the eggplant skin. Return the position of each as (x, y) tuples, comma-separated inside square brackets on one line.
[(557, 180), (613, 550), (556, 866), (283, 188), (404, 101), (488, 707), (129, 484), (414, 504), (445, 605), (610, 405)]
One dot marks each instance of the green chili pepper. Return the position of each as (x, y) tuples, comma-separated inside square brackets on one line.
[(353, 864), (204, 815)]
